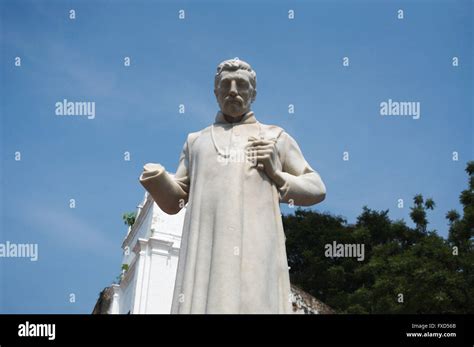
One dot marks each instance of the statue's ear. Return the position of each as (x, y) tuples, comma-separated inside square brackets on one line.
[(254, 96), (215, 92)]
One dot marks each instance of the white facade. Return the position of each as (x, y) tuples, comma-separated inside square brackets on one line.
[(151, 250)]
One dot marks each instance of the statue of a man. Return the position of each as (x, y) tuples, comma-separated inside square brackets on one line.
[(232, 175)]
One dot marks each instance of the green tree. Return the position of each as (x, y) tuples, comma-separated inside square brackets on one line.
[(406, 270), (129, 218), (461, 233), (461, 230), (418, 212)]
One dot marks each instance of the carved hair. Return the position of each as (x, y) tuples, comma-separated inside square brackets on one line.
[(234, 65)]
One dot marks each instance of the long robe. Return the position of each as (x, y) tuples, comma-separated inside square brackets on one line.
[(233, 256)]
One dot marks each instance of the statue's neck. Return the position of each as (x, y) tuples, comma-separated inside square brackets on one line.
[(230, 119)]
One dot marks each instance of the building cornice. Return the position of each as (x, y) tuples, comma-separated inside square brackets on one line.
[(147, 205)]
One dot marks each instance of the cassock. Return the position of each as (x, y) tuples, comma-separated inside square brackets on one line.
[(233, 257)]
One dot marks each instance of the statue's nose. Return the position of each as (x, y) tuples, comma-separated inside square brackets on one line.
[(233, 89)]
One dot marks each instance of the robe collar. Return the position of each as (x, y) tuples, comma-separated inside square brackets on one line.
[(248, 118)]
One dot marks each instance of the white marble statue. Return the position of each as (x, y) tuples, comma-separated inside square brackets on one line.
[(232, 175)]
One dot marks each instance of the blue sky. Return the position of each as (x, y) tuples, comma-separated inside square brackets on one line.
[(173, 62)]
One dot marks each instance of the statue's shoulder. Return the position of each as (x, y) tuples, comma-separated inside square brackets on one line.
[(271, 131), (192, 137)]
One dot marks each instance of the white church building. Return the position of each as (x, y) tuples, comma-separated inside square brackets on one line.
[(150, 261)]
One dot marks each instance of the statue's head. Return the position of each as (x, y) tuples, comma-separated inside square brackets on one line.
[(235, 87)]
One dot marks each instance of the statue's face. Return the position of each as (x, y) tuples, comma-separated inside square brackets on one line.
[(234, 93)]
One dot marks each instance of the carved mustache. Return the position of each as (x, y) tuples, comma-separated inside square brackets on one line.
[(236, 99)]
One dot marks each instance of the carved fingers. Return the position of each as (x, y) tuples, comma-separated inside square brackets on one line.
[(264, 152)]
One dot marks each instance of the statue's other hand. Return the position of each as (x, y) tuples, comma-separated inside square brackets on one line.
[(152, 169), (266, 154)]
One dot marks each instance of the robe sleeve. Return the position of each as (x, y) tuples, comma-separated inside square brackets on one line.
[(169, 192), (303, 185)]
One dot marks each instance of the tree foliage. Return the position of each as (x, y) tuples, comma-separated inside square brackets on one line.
[(129, 218), (405, 270)]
